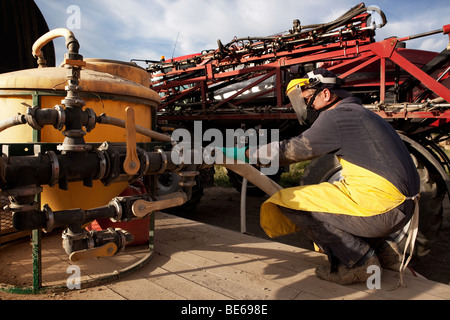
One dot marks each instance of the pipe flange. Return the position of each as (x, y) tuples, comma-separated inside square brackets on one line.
[(187, 178), (70, 236), (90, 239), (91, 119), (164, 161), (55, 167), (74, 135), (116, 203), (187, 184), (122, 239), (31, 118), (23, 192), (147, 162), (15, 207), (144, 159), (103, 164), (74, 147), (50, 219), (61, 118), (188, 174)]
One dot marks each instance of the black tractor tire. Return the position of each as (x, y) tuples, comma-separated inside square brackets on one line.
[(431, 211), (325, 168)]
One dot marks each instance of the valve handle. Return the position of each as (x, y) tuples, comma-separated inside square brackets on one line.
[(131, 164), (106, 250), (141, 208)]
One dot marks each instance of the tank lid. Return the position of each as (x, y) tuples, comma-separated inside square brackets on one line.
[(127, 70), (91, 81)]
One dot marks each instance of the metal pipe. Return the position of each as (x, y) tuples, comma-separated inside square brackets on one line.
[(23, 171), (51, 169), (420, 35), (104, 119), (83, 245), (71, 43), (46, 219)]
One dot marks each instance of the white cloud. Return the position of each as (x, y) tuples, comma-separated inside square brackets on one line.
[(413, 22), (126, 29)]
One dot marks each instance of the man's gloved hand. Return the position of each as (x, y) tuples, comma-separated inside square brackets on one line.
[(236, 153)]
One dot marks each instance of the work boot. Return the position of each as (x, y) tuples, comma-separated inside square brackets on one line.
[(390, 255), (344, 275)]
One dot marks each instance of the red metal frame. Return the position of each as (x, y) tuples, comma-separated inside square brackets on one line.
[(349, 55)]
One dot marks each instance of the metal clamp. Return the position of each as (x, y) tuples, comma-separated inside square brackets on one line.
[(31, 118), (61, 118), (74, 134), (144, 164), (103, 164), (187, 178), (50, 219), (55, 167), (147, 162), (116, 203), (23, 192), (164, 161), (91, 119), (16, 207)]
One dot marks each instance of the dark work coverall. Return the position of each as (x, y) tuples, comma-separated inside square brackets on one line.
[(373, 198)]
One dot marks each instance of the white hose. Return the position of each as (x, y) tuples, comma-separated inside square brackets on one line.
[(254, 176), (46, 38), (12, 121), (244, 206)]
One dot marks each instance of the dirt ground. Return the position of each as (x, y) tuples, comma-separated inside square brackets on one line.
[(221, 207)]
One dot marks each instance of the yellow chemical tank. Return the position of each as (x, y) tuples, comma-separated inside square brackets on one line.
[(104, 92), (127, 70)]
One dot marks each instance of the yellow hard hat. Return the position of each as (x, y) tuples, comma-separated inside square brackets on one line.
[(297, 83)]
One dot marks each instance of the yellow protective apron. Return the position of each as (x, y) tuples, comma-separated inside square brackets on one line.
[(360, 193)]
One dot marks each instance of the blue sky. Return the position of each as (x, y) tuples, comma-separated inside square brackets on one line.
[(136, 29)]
